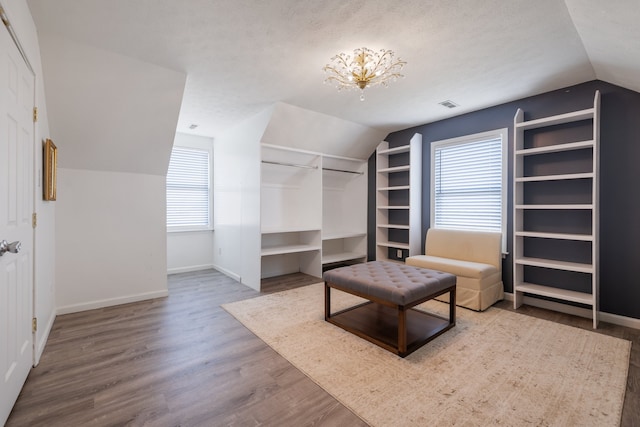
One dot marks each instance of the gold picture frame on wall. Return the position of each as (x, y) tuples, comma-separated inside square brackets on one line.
[(50, 160)]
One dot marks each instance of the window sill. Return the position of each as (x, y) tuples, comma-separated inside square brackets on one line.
[(188, 230)]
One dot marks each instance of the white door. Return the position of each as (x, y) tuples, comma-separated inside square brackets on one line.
[(16, 207)]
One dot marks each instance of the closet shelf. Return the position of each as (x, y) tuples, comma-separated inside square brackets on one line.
[(562, 294), (585, 175), (573, 116), (557, 207), (396, 150), (393, 207), (395, 245), (554, 264), (396, 188), (279, 230), (394, 226), (558, 236), (342, 256), (288, 249), (394, 169), (569, 146), (343, 235)]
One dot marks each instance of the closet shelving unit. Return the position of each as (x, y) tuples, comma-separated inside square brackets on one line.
[(290, 212), (313, 211), (398, 199), (344, 210), (556, 185)]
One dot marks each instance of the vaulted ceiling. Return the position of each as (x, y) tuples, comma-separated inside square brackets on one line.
[(241, 56)]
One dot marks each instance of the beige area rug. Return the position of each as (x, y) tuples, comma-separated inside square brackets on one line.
[(493, 368)]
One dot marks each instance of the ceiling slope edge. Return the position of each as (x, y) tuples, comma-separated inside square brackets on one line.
[(609, 35), (303, 129), (109, 112)]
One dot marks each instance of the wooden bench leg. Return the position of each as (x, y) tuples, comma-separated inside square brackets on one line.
[(452, 306), (402, 331), (327, 301)]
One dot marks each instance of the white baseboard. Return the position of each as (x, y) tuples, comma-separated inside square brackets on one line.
[(42, 342), (226, 272), (190, 268), (92, 305), (615, 319)]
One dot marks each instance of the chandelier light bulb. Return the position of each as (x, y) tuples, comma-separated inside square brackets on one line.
[(366, 68)]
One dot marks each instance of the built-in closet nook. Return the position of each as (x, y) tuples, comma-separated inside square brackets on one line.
[(312, 212), (344, 210), (291, 194), (290, 212)]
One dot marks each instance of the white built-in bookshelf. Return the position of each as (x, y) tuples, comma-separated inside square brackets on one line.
[(398, 199), (555, 193)]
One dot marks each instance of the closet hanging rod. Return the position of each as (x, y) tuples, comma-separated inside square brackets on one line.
[(290, 164), (343, 170)]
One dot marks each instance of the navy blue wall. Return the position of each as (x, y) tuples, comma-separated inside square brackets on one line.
[(619, 176)]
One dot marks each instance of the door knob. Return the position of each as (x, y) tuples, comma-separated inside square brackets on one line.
[(13, 247)]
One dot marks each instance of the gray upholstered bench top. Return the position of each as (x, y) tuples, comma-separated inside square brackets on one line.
[(389, 281)]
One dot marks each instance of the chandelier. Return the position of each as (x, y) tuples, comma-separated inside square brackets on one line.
[(366, 68)]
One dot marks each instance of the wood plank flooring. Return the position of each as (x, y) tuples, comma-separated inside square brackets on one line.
[(176, 361), (184, 361)]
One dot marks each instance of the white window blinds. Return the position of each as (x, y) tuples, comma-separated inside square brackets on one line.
[(468, 183), (188, 188)]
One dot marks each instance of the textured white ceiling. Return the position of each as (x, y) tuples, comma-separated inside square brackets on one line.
[(611, 35), (241, 56)]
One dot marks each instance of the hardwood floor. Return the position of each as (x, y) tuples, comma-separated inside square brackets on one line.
[(180, 360), (184, 361)]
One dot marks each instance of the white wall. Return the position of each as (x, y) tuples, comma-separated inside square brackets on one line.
[(236, 214), (113, 119), (110, 239), (44, 270), (190, 250)]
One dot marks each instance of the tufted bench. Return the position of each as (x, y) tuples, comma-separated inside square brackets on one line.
[(392, 290), (475, 257)]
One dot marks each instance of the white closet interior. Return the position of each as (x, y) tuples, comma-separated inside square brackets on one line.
[(312, 211)]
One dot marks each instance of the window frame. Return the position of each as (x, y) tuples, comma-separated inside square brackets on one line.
[(190, 228), (503, 134)]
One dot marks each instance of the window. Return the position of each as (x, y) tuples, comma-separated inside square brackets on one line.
[(468, 183), (188, 189)]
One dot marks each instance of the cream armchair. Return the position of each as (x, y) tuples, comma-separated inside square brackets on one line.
[(474, 257)]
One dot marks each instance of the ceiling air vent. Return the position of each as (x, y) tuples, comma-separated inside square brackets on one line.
[(449, 104)]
